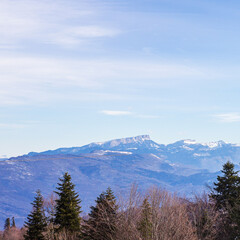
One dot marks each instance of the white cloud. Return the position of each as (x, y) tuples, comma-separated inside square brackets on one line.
[(228, 117), (116, 113)]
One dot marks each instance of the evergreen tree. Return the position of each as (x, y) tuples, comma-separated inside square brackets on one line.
[(226, 194), (13, 223), (101, 224), (7, 224), (234, 213), (67, 215), (36, 220), (145, 223), (227, 190)]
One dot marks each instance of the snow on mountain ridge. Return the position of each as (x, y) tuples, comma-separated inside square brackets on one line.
[(141, 144), (116, 142), (190, 141), (216, 144), (103, 152), (142, 138)]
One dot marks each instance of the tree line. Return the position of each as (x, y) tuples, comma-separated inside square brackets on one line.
[(153, 215)]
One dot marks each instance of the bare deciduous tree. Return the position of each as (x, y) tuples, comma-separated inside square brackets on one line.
[(169, 216), (204, 216), (13, 234), (129, 215)]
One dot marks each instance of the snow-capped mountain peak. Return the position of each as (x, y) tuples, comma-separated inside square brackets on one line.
[(143, 144), (189, 141), (116, 142), (214, 144), (137, 139), (122, 141), (131, 144), (209, 145)]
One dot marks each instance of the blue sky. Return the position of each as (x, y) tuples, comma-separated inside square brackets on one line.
[(74, 72)]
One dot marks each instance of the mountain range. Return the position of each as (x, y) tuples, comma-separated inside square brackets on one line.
[(185, 167)]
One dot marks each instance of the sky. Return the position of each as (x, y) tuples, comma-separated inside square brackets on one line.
[(79, 71)]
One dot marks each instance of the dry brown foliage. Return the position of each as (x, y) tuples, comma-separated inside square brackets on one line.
[(49, 205), (64, 235), (169, 216), (13, 234), (128, 216), (205, 217)]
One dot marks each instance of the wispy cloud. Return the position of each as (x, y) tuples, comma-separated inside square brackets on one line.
[(30, 80), (128, 113), (48, 22), (116, 113), (228, 117), (18, 125), (11, 125), (147, 116), (72, 36)]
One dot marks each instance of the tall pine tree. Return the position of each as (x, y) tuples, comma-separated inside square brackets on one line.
[(145, 223), (226, 194), (36, 220), (227, 190), (102, 221), (13, 223), (67, 216), (7, 224)]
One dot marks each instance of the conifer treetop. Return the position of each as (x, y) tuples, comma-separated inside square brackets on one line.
[(7, 224), (36, 220), (68, 208), (227, 187), (13, 222)]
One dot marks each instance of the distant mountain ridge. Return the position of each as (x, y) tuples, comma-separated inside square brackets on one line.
[(187, 151), (184, 166), (132, 144), (139, 142)]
